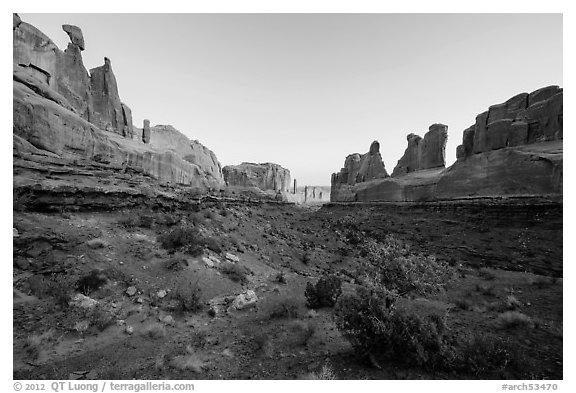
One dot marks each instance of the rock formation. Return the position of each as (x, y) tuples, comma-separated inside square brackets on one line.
[(426, 153), (61, 116), (361, 167), (514, 149), (267, 176), (521, 120), (108, 113), (146, 131), (63, 72), (128, 130), (166, 137)]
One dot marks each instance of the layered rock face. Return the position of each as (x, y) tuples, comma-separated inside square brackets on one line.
[(108, 113), (267, 176), (63, 72), (424, 153), (361, 167), (64, 117), (521, 120), (169, 138), (514, 149)]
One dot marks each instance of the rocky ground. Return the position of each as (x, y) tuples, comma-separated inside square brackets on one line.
[(104, 295)]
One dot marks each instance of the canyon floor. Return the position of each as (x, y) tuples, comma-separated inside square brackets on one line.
[(119, 261)]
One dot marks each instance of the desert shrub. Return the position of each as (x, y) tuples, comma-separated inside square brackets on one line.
[(306, 258), (463, 304), (487, 274), (56, 286), (325, 293), (100, 318), (235, 272), (486, 290), (280, 278), (391, 264), (301, 332), (133, 220), (284, 308), (91, 282), (514, 319), (325, 373), (512, 302), (34, 343), (188, 296), (373, 325), (183, 238), (212, 244), (485, 354), (155, 331), (175, 263), (542, 282)]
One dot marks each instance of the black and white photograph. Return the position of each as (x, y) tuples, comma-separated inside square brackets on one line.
[(225, 196)]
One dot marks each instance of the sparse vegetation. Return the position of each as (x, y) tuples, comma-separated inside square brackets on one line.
[(187, 239), (235, 272), (284, 308), (91, 282), (486, 273), (325, 373), (514, 319), (188, 296), (325, 293), (301, 332), (56, 286), (155, 331)]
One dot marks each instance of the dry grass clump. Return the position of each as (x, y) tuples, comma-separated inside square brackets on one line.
[(34, 343), (486, 273), (542, 282), (514, 319), (235, 272), (325, 373), (188, 296), (284, 308), (155, 331), (301, 332)]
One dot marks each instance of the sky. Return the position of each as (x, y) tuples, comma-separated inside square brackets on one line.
[(306, 90)]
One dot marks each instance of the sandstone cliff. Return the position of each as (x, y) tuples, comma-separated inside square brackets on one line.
[(62, 114), (426, 153), (361, 167), (267, 176), (514, 149)]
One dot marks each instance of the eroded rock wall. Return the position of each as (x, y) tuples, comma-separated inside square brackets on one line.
[(523, 119), (513, 149), (424, 153), (62, 113), (266, 176)]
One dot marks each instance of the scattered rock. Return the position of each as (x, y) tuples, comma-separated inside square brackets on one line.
[(15, 232), (232, 257), (131, 291), (228, 353), (161, 294), (81, 326), (245, 300), (83, 301), (96, 243), (168, 320), (189, 362), (208, 262), (129, 329)]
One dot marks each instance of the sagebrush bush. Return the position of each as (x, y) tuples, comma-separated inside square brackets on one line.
[(57, 286), (284, 308), (486, 273), (392, 265), (325, 293), (373, 325), (188, 296), (186, 239), (514, 319), (91, 281), (484, 354), (235, 272)]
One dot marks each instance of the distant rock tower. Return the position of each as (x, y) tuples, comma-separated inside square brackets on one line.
[(146, 131), (294, 192)]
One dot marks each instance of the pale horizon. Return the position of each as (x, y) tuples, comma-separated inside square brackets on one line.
[(306, 90)]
